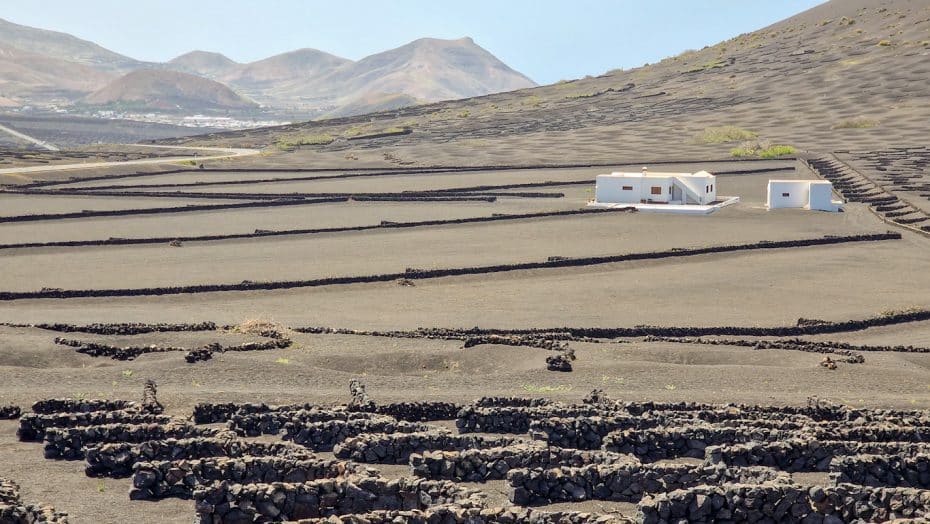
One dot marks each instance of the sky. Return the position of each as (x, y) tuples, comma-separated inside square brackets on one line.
[(547, 40)]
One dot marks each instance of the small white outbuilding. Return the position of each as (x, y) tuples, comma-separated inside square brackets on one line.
[(815, 195)]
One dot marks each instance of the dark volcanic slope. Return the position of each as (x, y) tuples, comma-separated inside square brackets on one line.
[(168, 91), (845, 75)]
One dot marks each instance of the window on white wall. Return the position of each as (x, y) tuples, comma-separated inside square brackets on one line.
[(628, 188), (786, 195)]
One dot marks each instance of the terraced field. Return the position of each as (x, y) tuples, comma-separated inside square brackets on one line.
[(510, 354)]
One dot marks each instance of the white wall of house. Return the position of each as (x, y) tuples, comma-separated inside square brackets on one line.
[(806, 194), (632, 188), (702, 184), (821, 196), (635, 188), (787, 194)]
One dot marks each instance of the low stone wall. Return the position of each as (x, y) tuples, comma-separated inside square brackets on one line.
[(624, 482), (794, 455), (70, 443), (32, 426), (651, 445), (423, 411), (157, 480), (322, 436), (14, 511), (210, 413), (118, 459), (272, 422), (10, 412), (517, 419), (882, 470), (480, 465), (396, 448), (451, 514), (873, 433), (510, 402), (449, 272), (585, 432), (772, 502), (226, 503), (67, 405), (132, 328)]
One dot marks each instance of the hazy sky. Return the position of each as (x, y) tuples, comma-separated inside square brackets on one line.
[(547, 40)]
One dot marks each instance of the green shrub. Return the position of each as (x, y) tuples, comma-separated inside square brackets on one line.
[(855, 123), (532, 101), (777, 151), (293, 141), (725, 134), (755, 149)]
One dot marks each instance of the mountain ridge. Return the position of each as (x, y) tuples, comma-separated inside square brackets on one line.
[(307, 81)]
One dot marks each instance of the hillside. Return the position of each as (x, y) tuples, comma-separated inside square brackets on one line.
[(26, 74), (63, 46), (847, 74), (430, 69), (168, 91), (202, 63)]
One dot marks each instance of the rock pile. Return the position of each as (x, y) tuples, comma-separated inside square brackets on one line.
[(10, 412), (14, 511), (150, 402)]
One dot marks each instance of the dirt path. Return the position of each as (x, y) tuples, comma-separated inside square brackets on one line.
[(219, 153)]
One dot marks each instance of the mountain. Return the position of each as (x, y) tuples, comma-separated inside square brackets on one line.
[(64, 47), (203, 63), (169, 91), (845, 75), (430, 69), (303, 66), (25, 74), (42, 68)]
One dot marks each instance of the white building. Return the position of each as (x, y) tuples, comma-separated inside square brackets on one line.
[(656, 188), (801, 194)]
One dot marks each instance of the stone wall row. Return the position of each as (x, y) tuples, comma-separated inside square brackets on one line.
[(446, 272)]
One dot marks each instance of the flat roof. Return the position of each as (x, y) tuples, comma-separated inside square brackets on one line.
[(796, 181), (651, 174)]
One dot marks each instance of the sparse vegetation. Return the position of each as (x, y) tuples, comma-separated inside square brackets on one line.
[(463, 114), (127, 373), (534, 388), (725, 134), (532, 101), (290, 142), (884, 43), (762, 150), (282, 360), (904, 311), (855, 123)]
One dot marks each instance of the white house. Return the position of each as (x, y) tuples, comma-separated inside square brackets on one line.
[(807, 194), (656, 188)]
